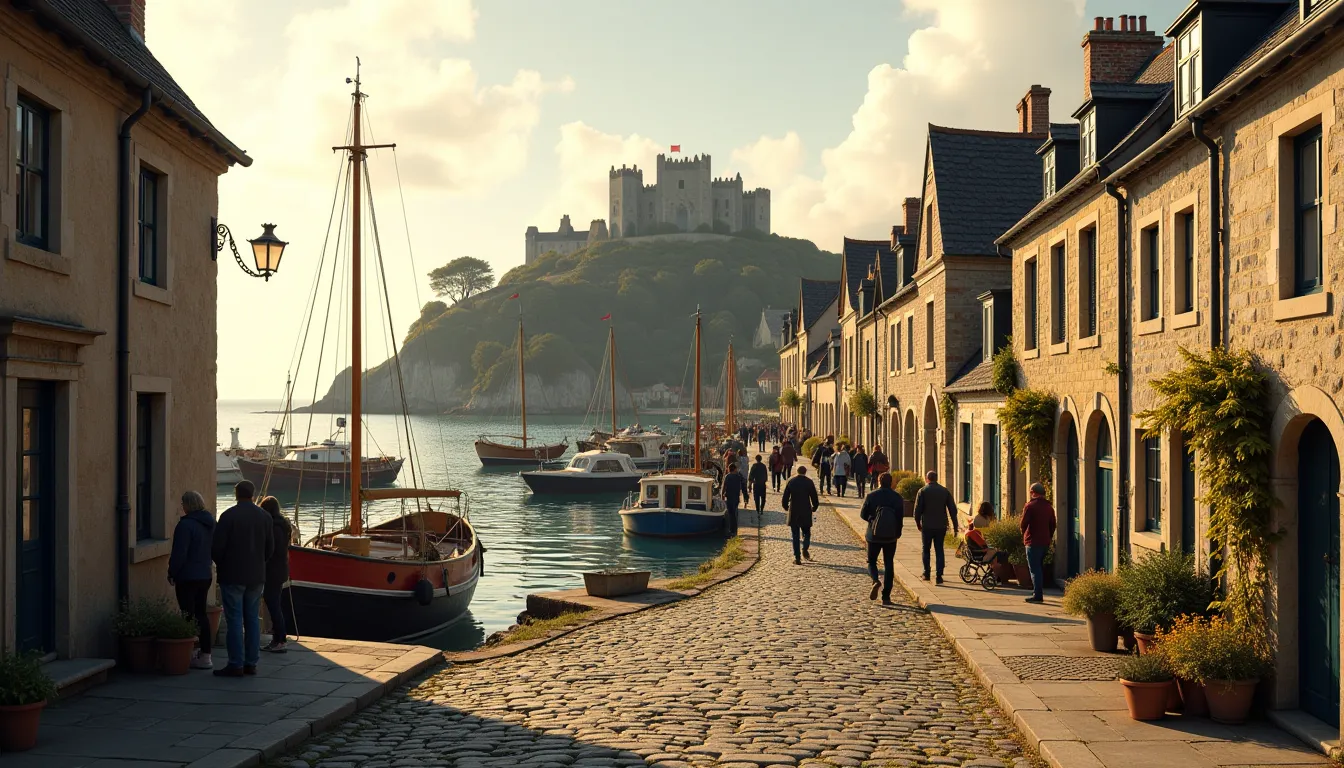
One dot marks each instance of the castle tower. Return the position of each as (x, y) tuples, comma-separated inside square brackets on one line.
[(627, 187), (756, 210), (685, 195), (728, 200)]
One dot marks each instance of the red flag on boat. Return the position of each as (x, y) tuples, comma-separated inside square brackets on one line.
[(607, 316), (676, 147), (514, 296)]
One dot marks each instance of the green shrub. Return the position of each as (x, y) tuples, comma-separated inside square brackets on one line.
[(1148, 668), (1005, 535), (1203, 649), (789, 398), (175, 626), (1004, 373), (1091, 593), (1159, 587), (810, 445), (143, 618), (23, 681), (909, 487), (862, 402)]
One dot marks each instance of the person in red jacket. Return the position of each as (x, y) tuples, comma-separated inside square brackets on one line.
[(1038, 530)]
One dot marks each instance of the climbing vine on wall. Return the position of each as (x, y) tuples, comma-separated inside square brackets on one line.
[(1028, 419), (1004, 374), (947, 410), (862, 402), (789, 398), (1218, 401)]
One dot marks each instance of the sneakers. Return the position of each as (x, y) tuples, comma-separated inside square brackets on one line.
[(873, 594), (276, 646), (202, 661), (1035, 600), (230, 672), (250, 669)]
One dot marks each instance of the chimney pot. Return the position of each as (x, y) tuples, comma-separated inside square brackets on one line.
[(1110, 23), (1098, 22), (1143, 23), (1124, 23), (910, 212)]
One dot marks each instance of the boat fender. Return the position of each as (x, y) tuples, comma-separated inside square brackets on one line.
[(424, 592)]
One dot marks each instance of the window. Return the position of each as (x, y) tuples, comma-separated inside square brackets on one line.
[(1049, 180), (893, 345), (608, 465), (650, 491), (1307, 212), (966, 472), (896, 331), (1031, 304), (1151, 283), (1059, 303), (681, 183), (1189, 73), (927, 224), (1152, 485), (1087, 275), (928, 332), (33, 131), (151, 267), (867, 356), (910, 342), (1189, 509), (1185, 277), (694, 493), (987, 331), (1087, 138), (145, 457)]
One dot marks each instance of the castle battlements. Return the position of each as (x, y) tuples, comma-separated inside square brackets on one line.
[(684, 163), (728, 181), (633, 171)]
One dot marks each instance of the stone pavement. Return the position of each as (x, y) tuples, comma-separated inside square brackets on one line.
[(208, 722), (785, 665), (1063, 695)]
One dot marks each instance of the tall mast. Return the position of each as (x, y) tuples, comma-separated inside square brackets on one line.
[(611, 337), (522, 374), (697, 390), (730, 411)]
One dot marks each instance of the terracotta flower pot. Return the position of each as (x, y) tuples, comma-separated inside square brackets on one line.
[(213, 613), (1193, 700), (1146, 701), (18, 726), (1145, 641), (1101, 631), (175, 655), (1230, 700), (137, 653), (1023, 575)]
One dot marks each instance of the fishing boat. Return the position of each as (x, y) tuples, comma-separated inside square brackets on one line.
[(416, 572), (677, 503), (647, 448), (317, 466), (587, 472), (504, 450), (226, 468)]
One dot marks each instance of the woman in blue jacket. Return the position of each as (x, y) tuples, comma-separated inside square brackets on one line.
[(189, 569)]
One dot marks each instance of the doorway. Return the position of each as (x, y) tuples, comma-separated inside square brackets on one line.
[(1105, 496), (993, 469), (1072, 475), (35, 628), (1318, 573)]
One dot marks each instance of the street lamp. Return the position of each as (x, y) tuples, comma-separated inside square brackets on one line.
[(266, 250)]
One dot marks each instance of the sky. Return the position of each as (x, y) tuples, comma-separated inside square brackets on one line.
[(508, 113)]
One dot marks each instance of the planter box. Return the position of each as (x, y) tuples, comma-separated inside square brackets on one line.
[(616, 584)]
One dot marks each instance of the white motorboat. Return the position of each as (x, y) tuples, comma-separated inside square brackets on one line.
[(587, 472), (226, 469)]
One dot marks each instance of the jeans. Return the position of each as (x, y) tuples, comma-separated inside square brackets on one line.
[(888, 550), (1036, 563), (242, 614), (275, 606), (861, 480), (806, 534), (191, 598), (841, 483), (775, 479), (825, 476), (760, 443), (933, 539), (731, 518), (758, 496)]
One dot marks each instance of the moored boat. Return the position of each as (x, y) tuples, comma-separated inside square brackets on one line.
[(587, 472), (322, 465), (503, 450), (226, 469)]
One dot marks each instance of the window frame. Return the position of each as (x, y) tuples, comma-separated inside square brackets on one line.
[(1303, 284), (1049, 180), (149, 226), (930, 321), (1152, 484), (1089, 324), (1291, 302), (910, 341), (1031, 304), (1059, 301), (967, 462), (24, 167), (1189, 67), (1087, 138), (987, 331)]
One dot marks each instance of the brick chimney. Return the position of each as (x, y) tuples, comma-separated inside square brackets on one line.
[(910, 209), (1113, 55), (130, 13), (1033, 112)]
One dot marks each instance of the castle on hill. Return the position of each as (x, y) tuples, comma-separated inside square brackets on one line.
[(685, 198)]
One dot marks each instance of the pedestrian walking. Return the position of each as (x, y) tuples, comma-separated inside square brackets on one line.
[(243, 543), (277, 573), (933, 509), (776, 468), (840, 464), (1038, 530), (757, 479), (734, 492), (760, 439), (799, 502), (884, 509), (189, 570), (788, 454), (858, 470), (821, 459), (877, 462)]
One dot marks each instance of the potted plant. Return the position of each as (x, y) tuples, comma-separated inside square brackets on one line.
[(1222, 658), (136, 625), (1095, 595), (615, 583), (1005, 536), (1157, 588), (174, 642), (25, 690), (1147, 682)]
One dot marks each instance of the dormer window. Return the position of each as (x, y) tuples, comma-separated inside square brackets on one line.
[(1309, 6), (1189, 72), (987, 331), (1087, 139), (1049, 173)]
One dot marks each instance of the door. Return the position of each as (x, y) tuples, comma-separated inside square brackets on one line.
[(1318, 573), (1189, 509), (1105, 495), (993, 468), (1073, 534), (35, 628)]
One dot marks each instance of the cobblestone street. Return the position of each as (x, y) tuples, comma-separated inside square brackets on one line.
[(787, 665)]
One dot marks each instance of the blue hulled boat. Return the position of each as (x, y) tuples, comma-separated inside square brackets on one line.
[(674, 505)]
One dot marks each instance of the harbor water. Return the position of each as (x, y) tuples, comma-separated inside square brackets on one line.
[(533, 543)]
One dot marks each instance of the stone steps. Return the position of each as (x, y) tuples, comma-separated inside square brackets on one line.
[(74, 676)]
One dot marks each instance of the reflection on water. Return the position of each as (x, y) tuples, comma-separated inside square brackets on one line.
[(533, 543)]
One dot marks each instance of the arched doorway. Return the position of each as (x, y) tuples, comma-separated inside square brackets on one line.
[(908, 447), (683, 218), (931, 437), (1105, 499), (1072, 486), (1318, 577)]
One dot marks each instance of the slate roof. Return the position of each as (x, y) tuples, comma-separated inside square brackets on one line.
[(974, 376), (985, 181), (1064, 131), (819, 362), (1282, 28), (816, 295), (859, 256), (887, 274), (1143, 91), (93, 26), (1161, 68)]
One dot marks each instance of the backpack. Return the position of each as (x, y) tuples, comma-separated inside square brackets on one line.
[(882, 527)]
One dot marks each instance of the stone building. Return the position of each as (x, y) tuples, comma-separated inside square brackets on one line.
[(563, 240), (805, 344), (770, 330), (685, 197), (73, 279)]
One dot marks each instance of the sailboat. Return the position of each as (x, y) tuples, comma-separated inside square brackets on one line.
[(677, 503), (406, 577), (503, 450)]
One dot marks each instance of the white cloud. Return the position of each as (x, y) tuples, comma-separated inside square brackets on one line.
[(583, 153), (966, 68)]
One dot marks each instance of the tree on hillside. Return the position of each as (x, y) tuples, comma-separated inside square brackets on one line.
[(461, 277)]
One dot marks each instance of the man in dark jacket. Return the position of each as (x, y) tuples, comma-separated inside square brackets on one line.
[(788, 454), (277, 573), (800, 501), (734, 491), (1038, 530), (244, 541), (933, 509), (189, 570), (821, 459), (758, 479), (884, 510)]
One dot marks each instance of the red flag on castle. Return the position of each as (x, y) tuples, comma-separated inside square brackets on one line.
[(607, 316), (676, 147)]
